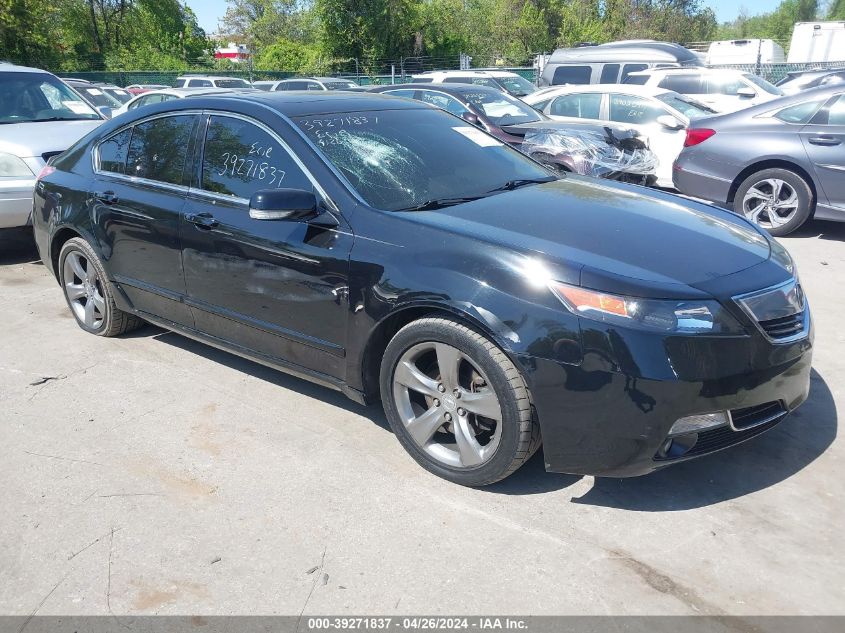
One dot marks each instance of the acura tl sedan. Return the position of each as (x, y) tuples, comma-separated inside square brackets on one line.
[(389, 250)]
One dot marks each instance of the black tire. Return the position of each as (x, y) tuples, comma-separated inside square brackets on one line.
[(520, 431), (113, 321), (805, 203)]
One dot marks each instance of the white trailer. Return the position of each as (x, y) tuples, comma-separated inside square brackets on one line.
[(745, 52), (814, 42)]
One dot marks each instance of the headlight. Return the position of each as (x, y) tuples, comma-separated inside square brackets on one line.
[(12, 166), (659, 315), (782, 257)]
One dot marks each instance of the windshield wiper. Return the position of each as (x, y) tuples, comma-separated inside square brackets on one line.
[(510, 185), (439, 203)]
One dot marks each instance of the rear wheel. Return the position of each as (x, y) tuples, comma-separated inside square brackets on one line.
[(777, 200), (88, 293), (457, 404)]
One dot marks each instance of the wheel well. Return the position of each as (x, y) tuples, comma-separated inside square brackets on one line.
[(59, 239), (386, 330), (771, 164)]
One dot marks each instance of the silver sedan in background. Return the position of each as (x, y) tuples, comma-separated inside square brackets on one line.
[(778, 163)]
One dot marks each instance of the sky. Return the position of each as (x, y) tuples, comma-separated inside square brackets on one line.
[(209, 11)]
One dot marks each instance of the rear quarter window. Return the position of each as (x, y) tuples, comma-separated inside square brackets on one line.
[(800, 113), (114, 151)]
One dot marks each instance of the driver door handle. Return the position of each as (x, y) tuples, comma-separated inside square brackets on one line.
[(824, 140), (202, 220)]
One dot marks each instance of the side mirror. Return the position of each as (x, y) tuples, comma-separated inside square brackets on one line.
[(669, 122), (470, 118), (105, 111), (746, 92), (282, 204)]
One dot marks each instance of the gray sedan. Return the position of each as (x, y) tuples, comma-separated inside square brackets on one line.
[(778, 163)]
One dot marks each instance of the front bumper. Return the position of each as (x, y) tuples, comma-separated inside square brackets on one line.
[(611, 415), (15, 201)]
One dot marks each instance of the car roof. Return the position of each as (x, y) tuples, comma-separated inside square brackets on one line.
[(626, 51), (632, 89), (8, 67), (294, 103), (214, 77), (689, 70), (448, 88)]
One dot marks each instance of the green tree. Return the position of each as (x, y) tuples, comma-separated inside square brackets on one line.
[(28, 31)]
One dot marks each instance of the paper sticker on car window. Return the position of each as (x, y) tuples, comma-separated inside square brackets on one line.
[(95, 91), (477, 136), (77, 107)]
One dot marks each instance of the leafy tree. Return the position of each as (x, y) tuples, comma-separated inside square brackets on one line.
[(27, 31)]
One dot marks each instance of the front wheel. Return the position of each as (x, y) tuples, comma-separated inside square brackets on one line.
[(456, 402), (777, 200)]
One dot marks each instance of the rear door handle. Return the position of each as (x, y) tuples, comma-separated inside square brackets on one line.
[(824, 140), (202, 220), (106, 197)]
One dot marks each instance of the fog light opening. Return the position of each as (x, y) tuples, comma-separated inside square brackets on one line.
[(678, 446), (699, 422)]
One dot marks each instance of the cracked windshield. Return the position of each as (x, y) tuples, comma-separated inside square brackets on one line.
[(400, 159)]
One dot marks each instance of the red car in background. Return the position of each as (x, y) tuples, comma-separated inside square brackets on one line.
[(138, 89)]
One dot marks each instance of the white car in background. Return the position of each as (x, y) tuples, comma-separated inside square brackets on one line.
[(306, 83), (40, 117), (506, 81), (166, 94), (722, 89), (207, 81), (660, 116)]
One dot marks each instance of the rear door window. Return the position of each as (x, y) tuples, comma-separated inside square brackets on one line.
[(200, 83), (609, 74), (577, 75), (581, 106), (634, 110), (158, 149), (444, 101), (685, 84), (632, 68), (114, 151), (240, 158)]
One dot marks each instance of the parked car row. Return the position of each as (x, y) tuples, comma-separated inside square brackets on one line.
[(399, 252)]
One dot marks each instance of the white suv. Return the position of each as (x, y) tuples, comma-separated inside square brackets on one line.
[(503, 80), (204, 81), (720, 89)]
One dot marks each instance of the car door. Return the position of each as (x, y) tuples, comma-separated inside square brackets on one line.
[(576, 106), (278, 288), (641, 114), (137, 195), (824, 140)]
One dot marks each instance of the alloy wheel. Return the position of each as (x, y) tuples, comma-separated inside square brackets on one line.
[(84, 290), (447, 405), (770, 203)]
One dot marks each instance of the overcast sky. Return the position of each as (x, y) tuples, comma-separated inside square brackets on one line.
[(209, 11)]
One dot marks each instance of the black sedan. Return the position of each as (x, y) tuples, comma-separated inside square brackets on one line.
[(389, 250)]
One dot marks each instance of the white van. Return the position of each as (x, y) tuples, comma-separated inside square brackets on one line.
[(728, 52), (817, 42)]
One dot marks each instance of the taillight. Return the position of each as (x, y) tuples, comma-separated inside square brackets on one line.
[(697, 135), (46, 171)]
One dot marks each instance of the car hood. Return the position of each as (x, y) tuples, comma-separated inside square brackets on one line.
[(620, 239), (35, 139)]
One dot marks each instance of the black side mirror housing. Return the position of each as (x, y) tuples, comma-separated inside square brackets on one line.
[(282, 204), (470, 118)]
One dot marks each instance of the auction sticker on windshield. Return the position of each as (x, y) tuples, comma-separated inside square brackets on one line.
[(477, 136)]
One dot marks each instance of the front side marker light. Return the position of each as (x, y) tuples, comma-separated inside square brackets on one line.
[(698, 423)]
